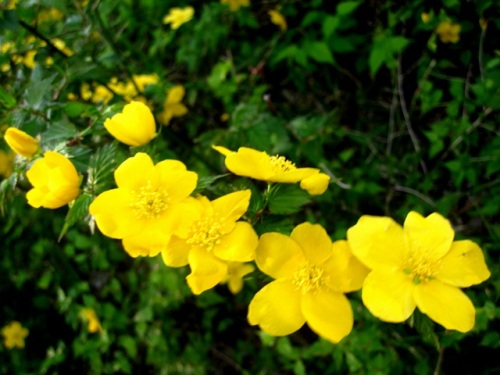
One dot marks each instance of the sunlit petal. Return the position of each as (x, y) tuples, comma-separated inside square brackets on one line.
[(206, 271), (446, 305), (314, 241), (239, 245), (276, 309), (328, 314)]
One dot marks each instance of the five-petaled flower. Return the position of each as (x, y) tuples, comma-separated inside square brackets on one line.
[(13, 335), (178, 16), (150, 204), (172, 107), (311, 276), (418, 265), (134, 126), (55, 181), (214, 239), (260, 165), (21, 142)]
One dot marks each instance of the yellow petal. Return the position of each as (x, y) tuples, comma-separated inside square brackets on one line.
[(278, 255), (236, 272), (432, 235), (463, 265), (328, 314), (239, 245), (389, 295), (232, 206), (293, 176), (175, 179), (276, 308), (175, 254), (175, 94), (178, 110), (250, 163), (446, 305), (224, 151), (206, 271), (21, 142), (315, 184), (148, 242), (378, 242), (135, 171), (314, 241), (345, 272), (113, 214)]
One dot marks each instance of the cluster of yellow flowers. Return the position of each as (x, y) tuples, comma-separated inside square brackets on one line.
[(152, 211)]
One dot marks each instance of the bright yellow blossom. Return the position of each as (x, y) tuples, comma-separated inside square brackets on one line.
[(143, 80), (311, 276), (214, 239), (150, 204), (418, 265), (6, 162), (261, 166), (236, 271), (134, 126), (21, 142), (55, 181), (448, 32), (234, 5), (178, 16), (90, 317), (29, 59), (61, 46), (172, 107), (278, 19), (13, 335)]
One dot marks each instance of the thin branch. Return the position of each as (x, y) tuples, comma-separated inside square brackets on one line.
[(37, 34), (392, 120), (406, 115), (411, 191), (333, 177)]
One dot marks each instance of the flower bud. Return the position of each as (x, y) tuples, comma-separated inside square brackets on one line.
[(20, 142)]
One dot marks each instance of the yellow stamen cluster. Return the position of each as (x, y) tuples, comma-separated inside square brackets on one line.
[(421, 268), (150, 202), (205, 233), (309, 278), (280, 164)]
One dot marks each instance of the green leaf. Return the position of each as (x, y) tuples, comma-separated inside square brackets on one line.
[(37, 91), (347, 7), (330, 24), (287, 199), (101, 166), (78, 211), (7, 100), (319, 51)]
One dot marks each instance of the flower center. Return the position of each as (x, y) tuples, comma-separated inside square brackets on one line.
[(149, 202), (280, 164), (205, 233), (420, 268), (309, 278)]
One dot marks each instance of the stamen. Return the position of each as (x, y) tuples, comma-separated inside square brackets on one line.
[(420, 267), (149, 202), (205, 233), (280, 164), (309, 278)]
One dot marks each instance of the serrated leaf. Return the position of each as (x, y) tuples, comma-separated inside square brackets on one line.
[(206, 181), (78, 211), (36, 92), (287, 199), (101, 167), (60, 130)]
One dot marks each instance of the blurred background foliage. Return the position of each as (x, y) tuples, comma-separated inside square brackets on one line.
[(391, 99)]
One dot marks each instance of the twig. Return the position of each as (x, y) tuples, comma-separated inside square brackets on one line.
[(36, 33), (333, 177), (406, 115), (392, 113), (408, 190), (439, 363)]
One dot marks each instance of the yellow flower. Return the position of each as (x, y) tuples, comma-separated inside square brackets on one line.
[(149, 205), (425, 17), (172, 107), (235, 273), (21, 142), (101, 95), (89, 316), (135, 126), (278, 19), (143, 80), (213, 239), (29, 59), (311, 276), (315, 184), (261, 166), (178, 16), (417, 266), (234, 5), (61, 46), (13, 335), (55, 181), (6, 162), (448, 32)]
